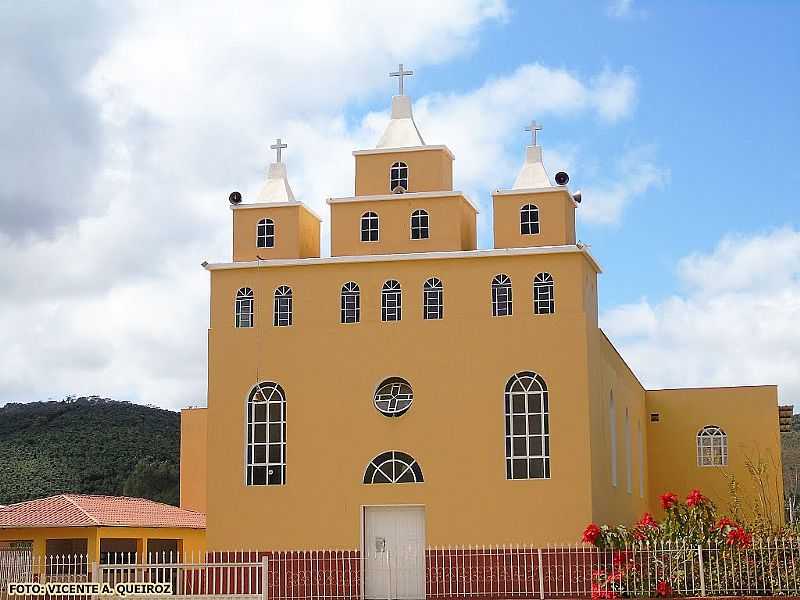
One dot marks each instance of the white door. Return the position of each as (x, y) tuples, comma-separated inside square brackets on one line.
[(394, 552)]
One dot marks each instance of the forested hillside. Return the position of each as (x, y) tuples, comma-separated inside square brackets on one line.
[(88, 445)]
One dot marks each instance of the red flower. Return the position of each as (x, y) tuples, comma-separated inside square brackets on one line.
[(600, 593), (695, 498), (724, 522), (663, 588), (739, 537), (647, 520), (669, 500), (591, 533)]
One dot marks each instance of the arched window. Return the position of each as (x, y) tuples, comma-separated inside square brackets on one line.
[(244, 307), (351, 303), (419, 225), (391, 301), (398, 178), (393, 397), (369, 227), (266, 435), (712, 447), (612, 427), (393, 467), (527, 427), (529, 219), (282, 311), (265, 233), (501, 296), (544, 298), (433, 299)]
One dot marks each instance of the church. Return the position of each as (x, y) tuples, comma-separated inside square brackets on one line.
[(414, 390)]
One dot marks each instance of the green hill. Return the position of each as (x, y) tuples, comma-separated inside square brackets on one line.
[(88, 445)]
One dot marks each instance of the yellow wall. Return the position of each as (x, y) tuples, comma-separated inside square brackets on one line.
[(296, 232), (556, 218), (748, 415), (430, 169), (458, 368), (192, 540), (451, 223), (194, 445)]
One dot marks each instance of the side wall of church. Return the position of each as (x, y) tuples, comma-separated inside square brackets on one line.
[(749, 418)]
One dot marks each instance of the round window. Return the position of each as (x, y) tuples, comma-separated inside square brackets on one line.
[(393, 397)]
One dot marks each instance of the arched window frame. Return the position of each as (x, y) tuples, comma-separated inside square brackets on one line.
[(391, 301), (712, 447), (266, 435), (350, 303), (282, 307), (502, 300), (244, 308), (393, 467), (398, 177), (393, 397), (527, 427), (529, 219), (544, 294), (420, 225), (265, 233), (433, 299), (370, 227)]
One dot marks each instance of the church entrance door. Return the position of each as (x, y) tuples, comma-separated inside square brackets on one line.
[(394, 552)]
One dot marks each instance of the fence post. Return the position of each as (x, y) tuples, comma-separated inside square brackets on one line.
[(264, 577), (541, 573), (95, 574), (702, 570)]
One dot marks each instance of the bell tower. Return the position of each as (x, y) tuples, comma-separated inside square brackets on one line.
[(276, 225), (534, 212)]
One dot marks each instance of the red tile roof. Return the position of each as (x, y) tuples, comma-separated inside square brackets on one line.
[(79, 510)]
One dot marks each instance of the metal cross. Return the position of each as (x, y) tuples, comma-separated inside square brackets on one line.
[(278, 145), (400, 73), (533, 128)]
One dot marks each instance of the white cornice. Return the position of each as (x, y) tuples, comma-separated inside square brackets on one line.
[(291, 262), (527, 191), (406, 196), (274, 205), (401, 150)]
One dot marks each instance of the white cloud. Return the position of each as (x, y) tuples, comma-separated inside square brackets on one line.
[(189, 96), (623, 9), (738, 323)]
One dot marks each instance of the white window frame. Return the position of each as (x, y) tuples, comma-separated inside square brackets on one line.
[(395, 178), (394, 397), (373, 227), (525, 391), (502, 296), (712, 447), (529, 218), (265, 238), (391, 301), (282, 307), (544, 294), (612, 427), (265, 433), (394, 466), (244, 308), (433, 299), (350, 304), (420, 224)]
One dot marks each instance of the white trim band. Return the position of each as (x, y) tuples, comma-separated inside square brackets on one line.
[(405, 196)]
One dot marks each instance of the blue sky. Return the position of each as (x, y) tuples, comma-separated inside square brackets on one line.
[(132, 123)]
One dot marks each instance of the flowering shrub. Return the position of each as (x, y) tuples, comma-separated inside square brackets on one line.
[(655, 558)]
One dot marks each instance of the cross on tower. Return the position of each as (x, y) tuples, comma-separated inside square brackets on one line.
[(278, 145), (533, 128), (400, 73)]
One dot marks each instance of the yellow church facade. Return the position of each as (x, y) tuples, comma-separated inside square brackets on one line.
[(412, 389)]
